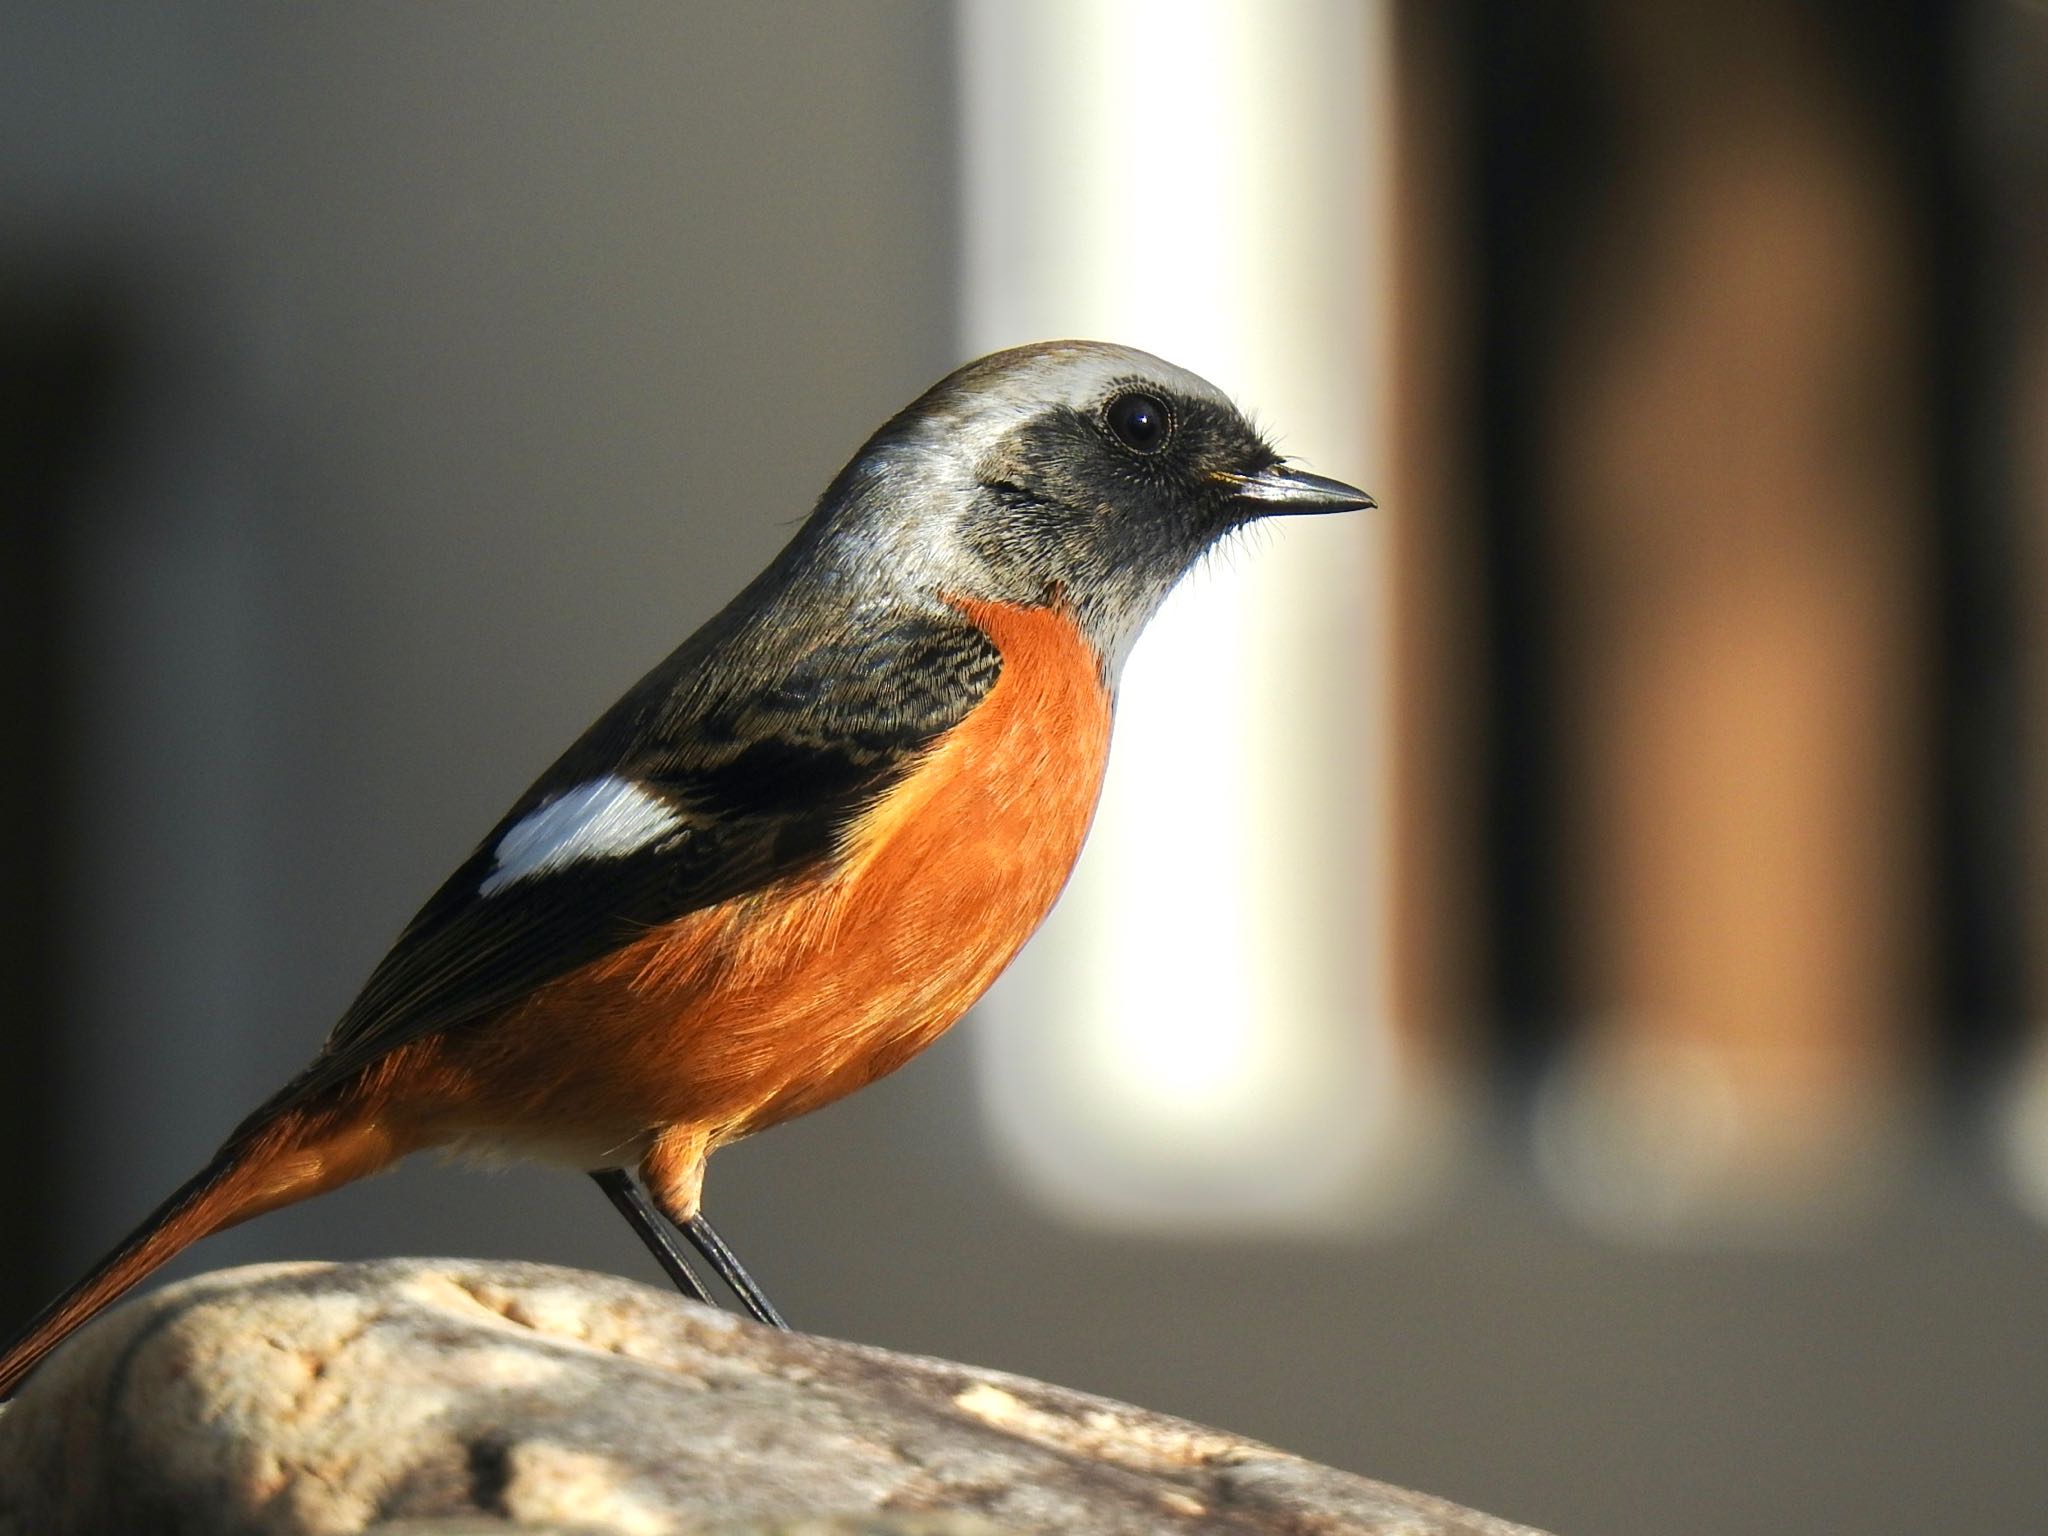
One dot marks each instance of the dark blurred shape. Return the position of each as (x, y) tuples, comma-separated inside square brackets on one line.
[(1958, 137), (2003, 136), (1538, 138), (63, 361)]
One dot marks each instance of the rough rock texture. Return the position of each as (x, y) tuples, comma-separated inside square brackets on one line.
[(443, 1398)]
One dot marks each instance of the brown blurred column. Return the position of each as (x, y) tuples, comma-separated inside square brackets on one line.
[(1437, 951), (1736, 474)]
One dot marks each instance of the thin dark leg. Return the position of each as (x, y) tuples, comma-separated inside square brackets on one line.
[(705, 1239), (625, 1194)]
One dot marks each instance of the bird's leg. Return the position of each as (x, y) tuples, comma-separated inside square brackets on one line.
[(640, 1216), (673, 1171), (705, 1239)]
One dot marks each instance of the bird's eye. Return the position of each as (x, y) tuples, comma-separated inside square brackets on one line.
[(1139, 421)]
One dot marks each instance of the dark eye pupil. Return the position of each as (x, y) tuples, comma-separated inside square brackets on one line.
[(1139, 422)]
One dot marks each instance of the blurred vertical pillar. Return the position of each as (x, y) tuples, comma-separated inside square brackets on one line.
[(2010, 115), (1736, 471), (1437, 956), (2026, 1127), (1204, 1033), (62, 354)]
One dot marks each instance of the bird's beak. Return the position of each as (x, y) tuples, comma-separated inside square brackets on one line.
[(1281, 490)]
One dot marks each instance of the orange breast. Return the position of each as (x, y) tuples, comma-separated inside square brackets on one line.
[(780, 1001)]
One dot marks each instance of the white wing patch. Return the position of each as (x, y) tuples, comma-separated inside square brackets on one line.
[(607, 818)]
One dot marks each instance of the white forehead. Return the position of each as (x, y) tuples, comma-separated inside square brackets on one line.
[(987, 399)]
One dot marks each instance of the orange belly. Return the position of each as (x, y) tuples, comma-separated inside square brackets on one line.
[(778, 1002)]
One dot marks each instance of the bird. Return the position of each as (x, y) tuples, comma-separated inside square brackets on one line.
[(797, 850)]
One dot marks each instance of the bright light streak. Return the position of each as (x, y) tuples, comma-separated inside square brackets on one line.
[(1201, 1032)]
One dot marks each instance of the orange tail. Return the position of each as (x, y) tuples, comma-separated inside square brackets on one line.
[(289, 1157)]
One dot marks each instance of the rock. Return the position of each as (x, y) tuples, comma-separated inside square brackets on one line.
[(443, 1398)]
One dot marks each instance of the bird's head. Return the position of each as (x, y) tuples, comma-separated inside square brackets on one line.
[(1068, 471)]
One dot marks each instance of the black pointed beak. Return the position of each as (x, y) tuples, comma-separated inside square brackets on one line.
[(1281, 490)]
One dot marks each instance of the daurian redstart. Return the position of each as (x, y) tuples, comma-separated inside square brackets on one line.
[(799, 848)]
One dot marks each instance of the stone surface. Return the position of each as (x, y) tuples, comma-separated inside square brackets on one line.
[(446, 1398)]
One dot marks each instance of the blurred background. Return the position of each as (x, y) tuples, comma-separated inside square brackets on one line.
[(1553, 1012)]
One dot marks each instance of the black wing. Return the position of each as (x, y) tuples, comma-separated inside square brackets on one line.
[(762, 752)]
